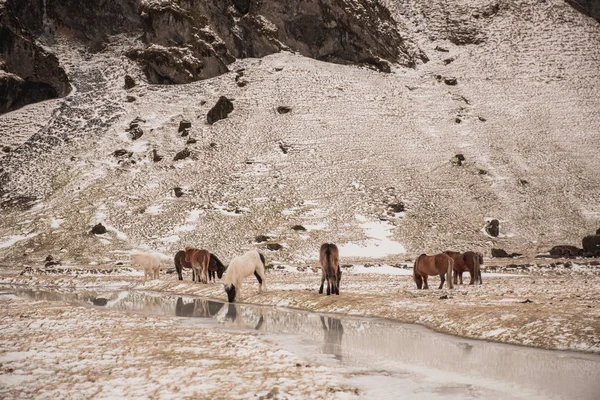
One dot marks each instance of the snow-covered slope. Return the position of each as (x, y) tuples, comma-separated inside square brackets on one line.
[(524, 112)]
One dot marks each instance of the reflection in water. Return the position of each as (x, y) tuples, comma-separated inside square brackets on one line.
[(332, 337), (199, 308), (504, 371)]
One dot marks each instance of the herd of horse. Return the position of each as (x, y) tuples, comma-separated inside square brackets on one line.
[(449, 265)]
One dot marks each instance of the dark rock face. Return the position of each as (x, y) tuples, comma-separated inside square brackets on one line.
[(283, 109), (129, 82), (587, 7), (274, 246), (450, 81), (155, 156), (220, 110), (397, 207), (493, 228), (178, 191), (261, 238), (299, 228), (98, 229), (500, 253)]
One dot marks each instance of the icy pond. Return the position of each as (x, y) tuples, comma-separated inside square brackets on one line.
[(384, 358)]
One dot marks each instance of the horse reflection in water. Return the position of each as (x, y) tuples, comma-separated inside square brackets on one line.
[(332, 337), (197, 308), (236, 319)]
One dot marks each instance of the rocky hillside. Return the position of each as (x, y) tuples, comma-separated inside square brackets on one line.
[(385, 126)]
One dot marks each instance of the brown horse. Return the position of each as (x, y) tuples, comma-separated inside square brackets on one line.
[(329, 258), (199, 259), (468, 261), (439, 264), (214, 266)]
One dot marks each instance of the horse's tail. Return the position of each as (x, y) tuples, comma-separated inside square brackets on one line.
[(330, 272), (416, 277), (449, 273), (477, 268)]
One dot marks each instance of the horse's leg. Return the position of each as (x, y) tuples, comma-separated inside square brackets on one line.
[(472, 273), (179, 269), (328, 287), (322, 282), (425, 285), (443, 279), (460, 277), (455, 277)]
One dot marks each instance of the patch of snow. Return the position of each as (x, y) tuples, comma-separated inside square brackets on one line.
[(378, 245), (154, 210), (16, 238)]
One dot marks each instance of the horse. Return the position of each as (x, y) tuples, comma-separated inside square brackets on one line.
[(199, 259), (438, 264), (468, 261), (333, 332), (197, 308), (329, 258), (150, 263), (240, 268), (214, 266)]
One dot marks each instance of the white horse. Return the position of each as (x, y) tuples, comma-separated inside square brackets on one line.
[(150, 263), (242, 267)]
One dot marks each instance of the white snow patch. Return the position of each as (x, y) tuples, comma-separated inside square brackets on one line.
[(154, 210), (56, 222), (378, 244), (16, 238), (379, 269)]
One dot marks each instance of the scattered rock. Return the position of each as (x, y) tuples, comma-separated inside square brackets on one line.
[(6, 149), (442, 49), (99, 229), (155, 156), (129, 82), (202, 102), (458, 159), (397, 207), (242, 83), (444, 297), (131, 99), (274, 246), (220, 110), (482, 119), (450, 81), (526, 301), (100, 301), (213, 145), (191, 141), (262, 238), (183, 125), (178, 191), (183, 154), (136, 133), (500, 253), (458, 120), (278, 69), (285, 148), (283, 109), (493, 228), (565, 251), (122, 152), (185, 132), (448, 60), (299, 228), (482, 172)]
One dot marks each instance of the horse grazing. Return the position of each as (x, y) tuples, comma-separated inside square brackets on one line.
[(329, 258), (468, 261), (150, 263), (240, 268), (439, 264), (199, 260), (214, 266)]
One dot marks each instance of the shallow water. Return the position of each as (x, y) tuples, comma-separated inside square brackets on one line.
[(386, 358)]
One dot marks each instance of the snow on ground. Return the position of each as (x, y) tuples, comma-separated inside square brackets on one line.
[(53, 350), (377, 245)]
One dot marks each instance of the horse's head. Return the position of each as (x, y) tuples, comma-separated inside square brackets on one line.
[(230, 290), (220, 269)]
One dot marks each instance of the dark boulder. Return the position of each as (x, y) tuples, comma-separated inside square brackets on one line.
[(565, 251), (285, 148), (155, 156), (100, 301), (129, 82), (262, 238), (136, 133), (183, 154), (396, 207), (493, 228), (191, 141), (183, 125), (591, 243), (458, 159), (220, 110), (283, 109), (98, 229), (500, 253), (442, 49), (122, 152), (299, 228), (178, 191), (450, 81), (274, 246), (130, 99)]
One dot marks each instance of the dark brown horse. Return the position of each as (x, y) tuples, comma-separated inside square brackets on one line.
[(199, 259), (329, 258), (439, 264), (468, 261), (214, 266)]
